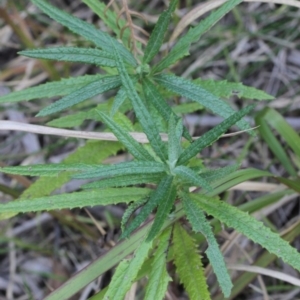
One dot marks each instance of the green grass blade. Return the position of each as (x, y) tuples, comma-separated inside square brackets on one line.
[(73, 200), (159, 277), (164, 207), (73, 54), (163, 188), (126, 139), (192, 91), (91, 90), (86, 30), (126, 273), (212, 135), (182, 46), (158, 33), (174, 141), (140, 110), (124, 181), (124, 168), (275, 120), (293, 184), (250, 227), (199, 223), (189, 176), (227, 89), (51, 89), (188, 264), (153, 96)]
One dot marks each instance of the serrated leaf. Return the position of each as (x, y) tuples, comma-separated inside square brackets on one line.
[(192, 91), (182, 46), (163, 188), (49, 170), (91, 90), (126, 273), (124, 181), (86, 30), (130, 210), (213, 175), (118, 101), (199, 223), (93, 152), (73, 200), (159, 277), (126, 139), (212, 135), (189, 176), (73, 54), (122, 169), (188, 264), (51, 89), (158, 33), (227, 89), (174, 140), (250, 227), (153, 96), (164, 207), (140, 110)]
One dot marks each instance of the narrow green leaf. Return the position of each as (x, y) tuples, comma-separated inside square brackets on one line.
[(174, 141), (164, 207), (110, 18), (182, 46), (199, 223), (49, 170), (118, 101), (226, 89), (51, 89), (212, 135), (276, 121), (140, 110), (153, 96), (158, 33), (93, 152), (159, 277), (250, 227), (126, 139), (213, 175), (132, 207), (291, 183), (273, 143), (73, 200), (192, 91), (88, 31), (73, 54), (126, 273), (124, 168), (91, 90), (189, 176), (163, 189), (187, 108), (188, 264), (124, 181)]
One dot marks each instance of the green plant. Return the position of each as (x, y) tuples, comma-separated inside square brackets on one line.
[(173, 165)]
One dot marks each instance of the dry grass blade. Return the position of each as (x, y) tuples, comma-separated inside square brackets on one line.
[(89, 135), (263, 271), (203, 8)]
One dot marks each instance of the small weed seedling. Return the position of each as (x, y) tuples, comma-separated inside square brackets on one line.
[(143, 84)]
